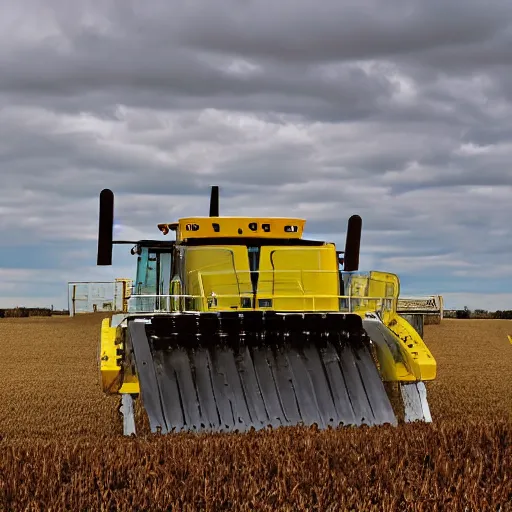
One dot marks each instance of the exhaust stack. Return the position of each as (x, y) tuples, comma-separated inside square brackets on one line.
[(214, 202), (106, 226), (352, 244)]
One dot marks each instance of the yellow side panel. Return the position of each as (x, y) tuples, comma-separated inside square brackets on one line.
[(415, 352), (109, 368), (288, 275), (391, 370), (221, 271), (113, 379), (418, 358)]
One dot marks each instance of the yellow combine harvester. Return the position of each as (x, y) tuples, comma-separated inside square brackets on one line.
[(240, 322)]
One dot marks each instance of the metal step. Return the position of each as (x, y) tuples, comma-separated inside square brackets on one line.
[(232, 372)]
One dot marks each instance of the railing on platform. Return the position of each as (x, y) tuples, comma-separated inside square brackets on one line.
[(283, 290), (164, 303)]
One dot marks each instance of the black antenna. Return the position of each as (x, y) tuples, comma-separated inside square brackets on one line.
[(352, 244), (106, 226), (214, 202)]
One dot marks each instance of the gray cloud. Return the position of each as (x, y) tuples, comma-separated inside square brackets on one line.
[(333, 31), (401, 114)]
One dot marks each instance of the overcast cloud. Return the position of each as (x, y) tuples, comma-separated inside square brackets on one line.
[(402, 114)]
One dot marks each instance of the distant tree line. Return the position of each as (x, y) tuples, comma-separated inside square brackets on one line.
[(478, 313), (26, 312)]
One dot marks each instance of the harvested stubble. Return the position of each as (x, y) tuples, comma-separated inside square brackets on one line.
[(61, 448), (474, 370), (51, 375)]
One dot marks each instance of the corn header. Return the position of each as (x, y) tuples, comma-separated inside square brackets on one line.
[(242, 323)]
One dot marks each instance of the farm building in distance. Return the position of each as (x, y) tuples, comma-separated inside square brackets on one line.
[(95, 296), (431, 307)]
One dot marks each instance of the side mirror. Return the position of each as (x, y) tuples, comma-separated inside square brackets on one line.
[(106, 227), (352, 244)]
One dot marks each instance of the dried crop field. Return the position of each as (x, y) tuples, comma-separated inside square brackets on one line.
[(61, 449)]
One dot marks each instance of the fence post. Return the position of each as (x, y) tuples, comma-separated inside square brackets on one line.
[(73, 298)]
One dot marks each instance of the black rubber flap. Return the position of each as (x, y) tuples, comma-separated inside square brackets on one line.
[(234, 371)]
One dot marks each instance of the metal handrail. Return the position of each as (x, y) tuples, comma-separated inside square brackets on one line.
[(209, 301), (386, 303)]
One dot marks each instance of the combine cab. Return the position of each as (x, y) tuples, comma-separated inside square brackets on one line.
[(241, 323)]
